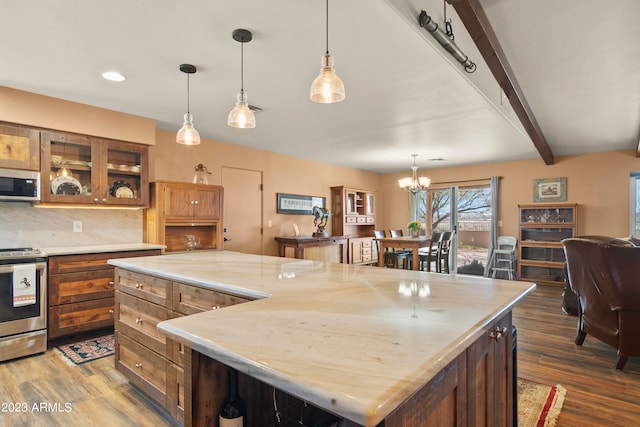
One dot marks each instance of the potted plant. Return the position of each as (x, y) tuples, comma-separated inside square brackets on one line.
[(414, 228)]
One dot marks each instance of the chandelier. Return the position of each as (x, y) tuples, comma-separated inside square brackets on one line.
[(414, 184)]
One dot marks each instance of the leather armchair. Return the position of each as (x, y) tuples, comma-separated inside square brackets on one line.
[(604, 273)]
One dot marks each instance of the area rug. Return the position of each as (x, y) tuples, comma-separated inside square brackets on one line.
[(539, 405), (88, 350)]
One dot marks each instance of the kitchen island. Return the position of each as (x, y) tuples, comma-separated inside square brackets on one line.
[(369, 345)]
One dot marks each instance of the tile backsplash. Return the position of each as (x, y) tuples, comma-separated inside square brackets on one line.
[(22, 225)]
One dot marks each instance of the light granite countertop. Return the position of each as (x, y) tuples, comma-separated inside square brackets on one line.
[(341, 337), (90, 249)]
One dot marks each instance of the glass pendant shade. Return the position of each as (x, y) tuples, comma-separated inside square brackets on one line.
[(241, 116), (327, 88), (188, 135)]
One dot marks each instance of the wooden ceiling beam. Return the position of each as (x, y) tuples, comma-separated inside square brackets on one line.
[(475, 20)]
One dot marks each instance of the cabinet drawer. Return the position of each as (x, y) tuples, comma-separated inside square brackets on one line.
[(351, 219), (144, 368), (188, 299), (367, 243), (362, 220), (371, 220), (143, 286), (84, 286), (366, 251), (138, 319), (83, 316), (85, 262)]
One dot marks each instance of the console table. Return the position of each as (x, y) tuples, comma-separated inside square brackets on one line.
[(300, 243)]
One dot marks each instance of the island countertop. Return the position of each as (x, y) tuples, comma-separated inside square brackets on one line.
[(356, 341)]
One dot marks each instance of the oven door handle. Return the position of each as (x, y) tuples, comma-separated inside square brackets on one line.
[(9, 268)]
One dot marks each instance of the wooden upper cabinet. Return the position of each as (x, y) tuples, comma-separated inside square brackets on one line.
[(80, 169), (19, 147), (192, 202)]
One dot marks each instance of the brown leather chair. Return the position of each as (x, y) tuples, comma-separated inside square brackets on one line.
[(604, 273)]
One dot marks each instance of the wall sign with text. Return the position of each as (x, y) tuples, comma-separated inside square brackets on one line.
[(298, 204)]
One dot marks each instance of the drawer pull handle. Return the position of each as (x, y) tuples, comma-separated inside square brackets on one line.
[(495, 335), (111, 283), (138, 285), (215, 307), (111, 311), (139, 365), (138, 321)]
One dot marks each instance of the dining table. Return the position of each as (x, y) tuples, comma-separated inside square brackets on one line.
[(403, 242)]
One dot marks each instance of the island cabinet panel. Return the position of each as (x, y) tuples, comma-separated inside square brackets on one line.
[(142, 301), (441, 402), (81, 291), (490, 376)]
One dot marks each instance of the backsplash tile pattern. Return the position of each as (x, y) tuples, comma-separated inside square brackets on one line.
[(22, 224)]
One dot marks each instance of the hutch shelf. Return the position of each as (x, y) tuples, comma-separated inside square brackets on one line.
[(542, 228)]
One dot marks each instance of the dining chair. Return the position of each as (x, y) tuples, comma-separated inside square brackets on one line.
[(429, 255), (442, 259), (408, 253), (392, 258)]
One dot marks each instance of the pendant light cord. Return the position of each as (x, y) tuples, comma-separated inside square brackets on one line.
[(242, 65), (327, 27), (188, 112)]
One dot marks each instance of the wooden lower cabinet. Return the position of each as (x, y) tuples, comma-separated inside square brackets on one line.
[(141, 302), (361, 251), (490, 376), (81, 291)]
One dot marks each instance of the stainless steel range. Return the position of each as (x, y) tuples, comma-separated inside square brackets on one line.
[(23, 302)]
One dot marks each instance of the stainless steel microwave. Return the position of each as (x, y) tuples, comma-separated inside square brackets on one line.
[(19, 185)]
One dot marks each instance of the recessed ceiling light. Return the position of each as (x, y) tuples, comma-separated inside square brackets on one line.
[(114, 76)]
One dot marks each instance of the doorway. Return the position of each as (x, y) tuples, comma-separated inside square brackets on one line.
[(466, 210), (242, 210)]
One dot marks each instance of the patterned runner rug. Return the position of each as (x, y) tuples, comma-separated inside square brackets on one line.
[(88, 350), (539, 405)]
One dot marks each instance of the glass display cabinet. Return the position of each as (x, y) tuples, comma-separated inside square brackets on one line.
[(79, 169), (542, 228)]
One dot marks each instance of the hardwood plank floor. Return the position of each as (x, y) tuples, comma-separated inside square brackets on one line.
[(91, 394), (597, 394)]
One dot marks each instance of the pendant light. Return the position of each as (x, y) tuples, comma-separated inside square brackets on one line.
[(414, 184), (188, 135), (241, 116), (327, 88)]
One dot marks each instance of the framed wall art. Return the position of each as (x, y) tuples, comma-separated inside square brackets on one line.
[(550, 190), (298, 204)]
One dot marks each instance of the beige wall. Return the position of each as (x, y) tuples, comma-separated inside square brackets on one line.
[(51, 113), (282, 174), (598, 183)]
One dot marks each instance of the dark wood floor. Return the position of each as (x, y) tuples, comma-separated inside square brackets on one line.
[(597, 394)]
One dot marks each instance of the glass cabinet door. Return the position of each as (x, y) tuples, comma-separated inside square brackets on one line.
[(68, 173), (125, 182)]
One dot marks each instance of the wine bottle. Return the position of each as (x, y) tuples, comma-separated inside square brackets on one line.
[(232, 410)]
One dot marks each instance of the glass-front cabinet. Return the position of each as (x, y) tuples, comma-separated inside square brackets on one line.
[(542, 228), (79, 169)]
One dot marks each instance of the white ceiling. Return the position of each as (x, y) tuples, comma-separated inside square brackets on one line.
[(577, 62)]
